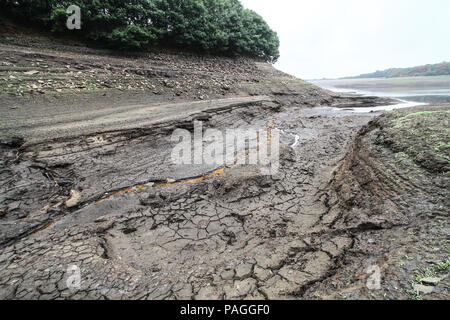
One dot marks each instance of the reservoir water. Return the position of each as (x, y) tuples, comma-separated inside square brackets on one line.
[(412, 91)]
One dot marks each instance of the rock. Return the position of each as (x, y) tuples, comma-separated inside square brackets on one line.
[(31, 72), (170, 180), (423, 289), (74, 199), (432, 281)]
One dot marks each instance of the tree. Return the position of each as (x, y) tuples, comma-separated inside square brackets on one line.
[(208, 26)]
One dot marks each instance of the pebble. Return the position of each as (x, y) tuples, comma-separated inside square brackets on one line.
[(423, 289), (431, 281)]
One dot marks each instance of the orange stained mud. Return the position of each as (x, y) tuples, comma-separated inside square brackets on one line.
[(44, 227), (270, 125), (209, 175), (127, 190)]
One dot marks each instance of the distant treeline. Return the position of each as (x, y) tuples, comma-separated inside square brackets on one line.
[(220, 27), (439, 69)]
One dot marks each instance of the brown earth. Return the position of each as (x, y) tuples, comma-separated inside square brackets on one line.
[(87, 181)]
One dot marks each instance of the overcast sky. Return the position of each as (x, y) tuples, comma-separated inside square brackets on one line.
[(337, 38)]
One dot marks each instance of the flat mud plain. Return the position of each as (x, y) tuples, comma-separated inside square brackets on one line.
[(87, 180)]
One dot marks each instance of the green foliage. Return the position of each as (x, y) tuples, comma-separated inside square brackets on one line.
[(221, 27), (129, 37)]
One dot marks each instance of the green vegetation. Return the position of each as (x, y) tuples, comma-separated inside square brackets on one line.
[(443, 265), (424, 138), (438, 69), (222, 27), (427, 273)]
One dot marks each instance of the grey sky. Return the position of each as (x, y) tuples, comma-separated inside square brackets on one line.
[(336, 38)]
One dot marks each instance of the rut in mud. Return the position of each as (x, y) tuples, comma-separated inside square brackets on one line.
[(393, 186)]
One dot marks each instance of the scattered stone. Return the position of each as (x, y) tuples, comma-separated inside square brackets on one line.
[(423, 289), (433, 281), (31, 72)]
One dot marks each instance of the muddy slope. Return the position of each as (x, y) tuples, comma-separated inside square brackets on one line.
[(392, 194)]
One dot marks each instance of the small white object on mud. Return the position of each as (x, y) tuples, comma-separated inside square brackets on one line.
[(74, 199), (31, 72)]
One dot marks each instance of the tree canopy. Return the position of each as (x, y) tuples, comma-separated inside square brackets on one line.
[(222, 27)]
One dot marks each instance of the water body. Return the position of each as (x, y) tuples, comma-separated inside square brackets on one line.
[(411, 91)]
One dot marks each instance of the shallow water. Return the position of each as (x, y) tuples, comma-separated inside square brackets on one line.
[(401, 104), (407, 96)]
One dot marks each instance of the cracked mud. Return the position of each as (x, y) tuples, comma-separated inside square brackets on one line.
[(350, 193)]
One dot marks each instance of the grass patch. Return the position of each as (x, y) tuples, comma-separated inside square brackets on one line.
[(423, 113), (443, 265)]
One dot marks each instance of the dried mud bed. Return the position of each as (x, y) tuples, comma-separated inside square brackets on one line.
[(335, 208), (110, 201)]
